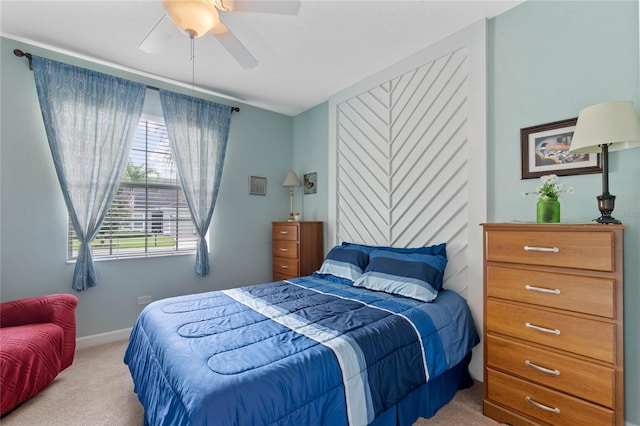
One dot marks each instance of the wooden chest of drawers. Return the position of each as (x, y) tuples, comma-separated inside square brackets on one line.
[(553, 346), (297, 249)]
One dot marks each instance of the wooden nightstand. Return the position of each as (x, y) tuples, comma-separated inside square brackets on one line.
[(297, 249), (553, 342)]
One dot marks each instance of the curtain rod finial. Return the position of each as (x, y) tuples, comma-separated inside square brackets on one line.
[(19, 53)]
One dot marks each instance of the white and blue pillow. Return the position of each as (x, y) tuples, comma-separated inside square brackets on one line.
[(344, 264), (414, 275)]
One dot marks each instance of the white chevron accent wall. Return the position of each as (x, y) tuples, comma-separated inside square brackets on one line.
[(402, 169), (407, 162)]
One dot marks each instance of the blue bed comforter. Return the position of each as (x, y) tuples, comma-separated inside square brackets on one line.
[(305, 351)]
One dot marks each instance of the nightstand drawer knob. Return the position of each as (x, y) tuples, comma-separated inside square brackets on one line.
[(542, 290), (548, 249), (542, 369), (284, 249), (283, 266), (284, 232), (542, 329), (542, 406)]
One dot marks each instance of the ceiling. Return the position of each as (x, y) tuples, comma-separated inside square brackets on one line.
[(303, 59)]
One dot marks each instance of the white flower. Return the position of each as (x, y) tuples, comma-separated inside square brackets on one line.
[(550, 188)]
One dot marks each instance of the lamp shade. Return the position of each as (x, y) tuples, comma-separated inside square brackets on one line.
[(291, 180), (615, 123)]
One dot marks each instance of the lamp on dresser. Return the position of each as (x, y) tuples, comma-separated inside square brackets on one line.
[(291, 181), (609, 126)]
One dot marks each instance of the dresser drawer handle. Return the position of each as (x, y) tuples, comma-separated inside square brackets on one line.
[(544, 330), (284, 232), (550, 249), (542, 406), (542, 290), (284, 249), (542, 369), (283, 266)]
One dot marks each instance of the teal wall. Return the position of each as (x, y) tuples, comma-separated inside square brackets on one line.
[(546, 61), (33, 217), (310, 153)]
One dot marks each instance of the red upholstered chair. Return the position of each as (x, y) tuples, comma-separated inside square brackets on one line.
[(37, 341)]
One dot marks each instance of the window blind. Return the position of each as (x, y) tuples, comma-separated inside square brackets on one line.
[(149, 215)]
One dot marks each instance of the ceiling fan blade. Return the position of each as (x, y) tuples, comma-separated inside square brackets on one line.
[(279, 7), (230, 42), (157, 38)]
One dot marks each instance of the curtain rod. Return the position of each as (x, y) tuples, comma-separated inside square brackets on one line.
[(19, 53)]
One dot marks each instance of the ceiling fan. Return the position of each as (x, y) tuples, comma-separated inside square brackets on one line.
[(199, 17)]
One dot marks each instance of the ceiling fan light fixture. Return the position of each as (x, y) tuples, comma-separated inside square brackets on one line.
[(194, 17)]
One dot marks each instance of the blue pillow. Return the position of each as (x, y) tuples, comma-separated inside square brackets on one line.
[(435, 250), (344, 263), (414, 275)]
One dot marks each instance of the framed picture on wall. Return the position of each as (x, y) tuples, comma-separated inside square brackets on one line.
[(311, 183), (544, 150), (257, 185)]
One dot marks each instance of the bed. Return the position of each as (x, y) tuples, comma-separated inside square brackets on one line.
[(343, 346)]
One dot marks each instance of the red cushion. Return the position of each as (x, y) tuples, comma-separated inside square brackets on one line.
[(29, 361)]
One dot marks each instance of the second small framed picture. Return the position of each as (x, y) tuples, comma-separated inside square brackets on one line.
[(544, 150), (257, 185), (310, 183)]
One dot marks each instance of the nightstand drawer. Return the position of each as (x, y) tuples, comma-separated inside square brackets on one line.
[(584, 379), (285, 266), (589, 295), (547, 405), (285, 232), (277, 276), (581, 250), (283, 248), (594, 339)]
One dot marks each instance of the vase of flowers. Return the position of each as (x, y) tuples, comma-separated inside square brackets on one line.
[(548, 210), (548, 207)]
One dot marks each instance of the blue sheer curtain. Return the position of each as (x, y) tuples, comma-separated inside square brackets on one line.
[(198, 132), (90, 119)]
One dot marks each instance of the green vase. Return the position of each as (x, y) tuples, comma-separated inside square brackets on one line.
[(548, 210)]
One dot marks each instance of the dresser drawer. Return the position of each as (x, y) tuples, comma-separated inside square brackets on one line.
[(545, 404), (277, 276), (283, 248), (588, 295), (285, 266), (285, 232), (582, 250), (584, 379), (594, 339)]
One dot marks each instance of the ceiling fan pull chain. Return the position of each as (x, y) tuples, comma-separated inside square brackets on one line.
[(193, 65)]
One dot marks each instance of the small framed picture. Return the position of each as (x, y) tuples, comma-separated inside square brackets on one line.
[(311, 183), (257, 185), (544, 150)]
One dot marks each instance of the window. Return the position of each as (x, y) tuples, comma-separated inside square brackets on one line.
[(149, 215)]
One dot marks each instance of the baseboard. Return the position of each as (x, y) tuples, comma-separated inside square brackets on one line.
[(631, 424), (102, 338)]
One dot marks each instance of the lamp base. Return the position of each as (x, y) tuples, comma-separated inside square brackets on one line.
[(606, 204), (607, 220)]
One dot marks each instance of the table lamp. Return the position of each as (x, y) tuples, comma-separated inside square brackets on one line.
[(609, 126), (291, 181)]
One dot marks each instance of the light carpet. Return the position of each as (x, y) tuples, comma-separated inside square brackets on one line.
[(97, 390)]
